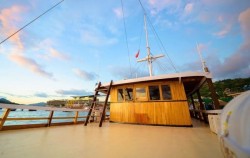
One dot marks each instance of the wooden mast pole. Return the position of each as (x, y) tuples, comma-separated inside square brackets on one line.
[(148, 48), (209, 82), (149, 57)]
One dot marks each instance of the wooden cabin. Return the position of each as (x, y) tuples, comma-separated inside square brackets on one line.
[(155, 100)]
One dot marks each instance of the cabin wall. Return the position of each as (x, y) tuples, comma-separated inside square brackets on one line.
[(162, 112)]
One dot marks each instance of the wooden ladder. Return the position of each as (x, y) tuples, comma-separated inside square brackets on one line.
[(97, 90)]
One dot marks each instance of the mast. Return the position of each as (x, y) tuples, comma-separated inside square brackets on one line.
[(204, 66), (149, 57)]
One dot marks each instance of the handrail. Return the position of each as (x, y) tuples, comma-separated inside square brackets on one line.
[(203, 114), (29, 107), (49, 118), (208, 111)]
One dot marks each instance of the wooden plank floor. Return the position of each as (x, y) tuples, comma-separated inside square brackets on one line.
[(112, 141)]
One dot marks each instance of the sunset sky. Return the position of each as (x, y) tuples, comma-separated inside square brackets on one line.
[(78, 43)]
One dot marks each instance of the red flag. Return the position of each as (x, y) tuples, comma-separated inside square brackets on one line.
[(137, 54)]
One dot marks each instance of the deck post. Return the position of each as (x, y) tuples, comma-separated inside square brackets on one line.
[(194, 108), (4, 117), (50, 118), (201, 105), (213, 94), (76, 117), (200, 100)]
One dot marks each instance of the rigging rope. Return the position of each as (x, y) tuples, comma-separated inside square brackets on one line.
[(126, 38), (31, 22), (165, 52)]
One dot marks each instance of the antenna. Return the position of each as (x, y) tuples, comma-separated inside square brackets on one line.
[(149, 57), (203, 63)]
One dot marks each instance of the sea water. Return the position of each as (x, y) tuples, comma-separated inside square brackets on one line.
[(31, 114)]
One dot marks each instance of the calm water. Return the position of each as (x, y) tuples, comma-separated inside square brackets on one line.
[(24, 114)]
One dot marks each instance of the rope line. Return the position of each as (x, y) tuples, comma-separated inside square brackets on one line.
[(155, 33), (31, 22), (126, 38)]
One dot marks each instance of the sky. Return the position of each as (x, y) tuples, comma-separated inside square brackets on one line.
[(68, 50)]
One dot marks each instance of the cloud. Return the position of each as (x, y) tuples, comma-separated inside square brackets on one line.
[(93, 36), (41, 95), (30, 64), (238, 65), (188, 8), (9, 18), (245, 23), (118, 12), (157, 6), (202, 47), (73, 92), (56, 54), (89, 76), (224, 31)]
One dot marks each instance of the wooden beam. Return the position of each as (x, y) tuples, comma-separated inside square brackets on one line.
[(14, 106), (27, 118), (198, 86), (105, 104), (213, 93), (194, 108), (93, 104), (200, 100), (50, 118), (76, 116), (4, 117)]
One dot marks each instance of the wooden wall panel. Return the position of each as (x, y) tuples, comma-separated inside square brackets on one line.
[(158, 113), (172, 112)]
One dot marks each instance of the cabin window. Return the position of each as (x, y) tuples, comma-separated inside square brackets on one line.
[(120, 95), (154, 92), (128, 92), (166, 92), (141, 93)]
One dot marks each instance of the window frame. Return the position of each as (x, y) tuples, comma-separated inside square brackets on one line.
[(146, 93), (123, 93), (160, 96), (164, 84)]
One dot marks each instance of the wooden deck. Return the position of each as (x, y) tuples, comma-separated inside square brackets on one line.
[(113, 140)]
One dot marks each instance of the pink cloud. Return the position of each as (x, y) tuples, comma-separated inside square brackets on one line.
[(224, 31), (56, 54), (245, 23), (237, 64), (30, 64), (9, 18)]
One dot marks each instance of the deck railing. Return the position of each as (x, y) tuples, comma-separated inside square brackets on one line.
[(7, 109), (202, 115)]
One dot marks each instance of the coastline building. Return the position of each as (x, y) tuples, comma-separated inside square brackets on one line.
[(75, 102)]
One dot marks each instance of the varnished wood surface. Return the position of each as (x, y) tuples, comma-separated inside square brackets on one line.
[(177, 90), (158, 113)]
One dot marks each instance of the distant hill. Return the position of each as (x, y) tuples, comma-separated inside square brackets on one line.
[(5, 101), (38, 104), (223, 87)]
